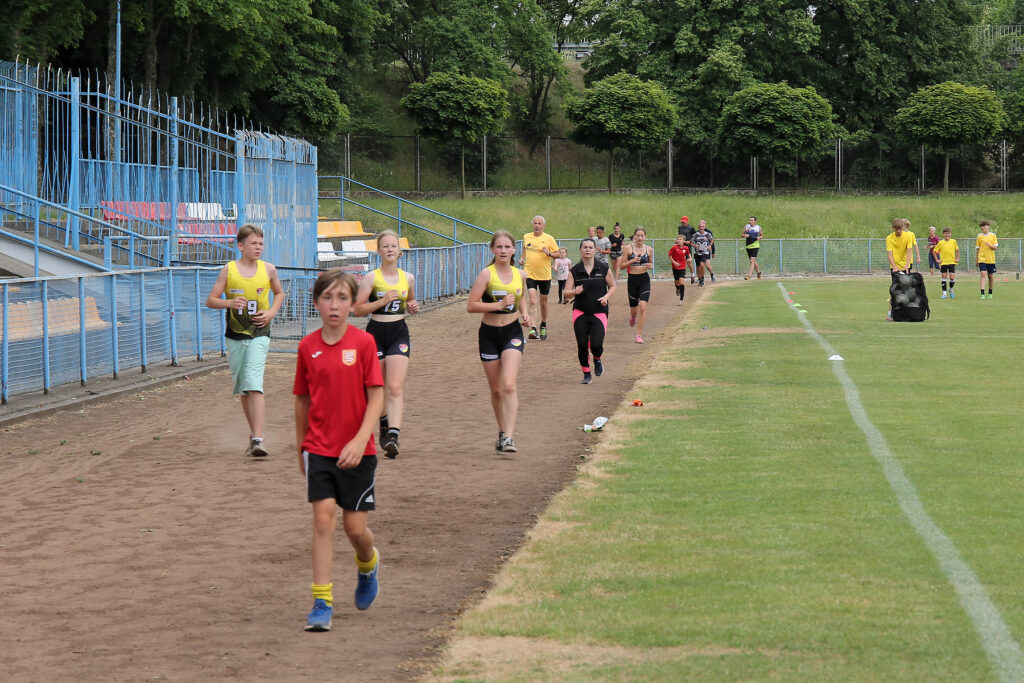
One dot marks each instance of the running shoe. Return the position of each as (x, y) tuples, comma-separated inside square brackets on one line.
[(952, 295), (598, 367), (639, 339), (700, 283), (990, 295), (693, 281), (746, 277), (983, 295), (256, 448), (533, 333), (390, 445), (367, 588), (759, 275), (500, 442), (320, 618), (943, 296), (543, 332), (508, 445), (586, 378), (632, 321), (712, 277)]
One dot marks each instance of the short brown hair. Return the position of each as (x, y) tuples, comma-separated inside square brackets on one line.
[(329, 278), (984, 223), (247, 230)]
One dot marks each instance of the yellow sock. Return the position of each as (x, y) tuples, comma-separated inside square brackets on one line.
[(365, 567), (323, 592)]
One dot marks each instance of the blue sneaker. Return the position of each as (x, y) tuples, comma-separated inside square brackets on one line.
[(366, 588), (951, 294), (320, 618)]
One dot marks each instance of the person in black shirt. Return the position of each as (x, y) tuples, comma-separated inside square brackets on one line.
[(590, 286), (687, 230), (616, 239)]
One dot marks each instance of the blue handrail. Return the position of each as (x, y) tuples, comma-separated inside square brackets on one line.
[(456, 222)]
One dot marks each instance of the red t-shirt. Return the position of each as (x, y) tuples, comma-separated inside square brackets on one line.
[(679, 255), (335, 377)]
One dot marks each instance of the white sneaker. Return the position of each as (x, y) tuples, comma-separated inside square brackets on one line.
[(943, 296)]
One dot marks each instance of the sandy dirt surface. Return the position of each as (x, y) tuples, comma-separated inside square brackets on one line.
[(138, 544)]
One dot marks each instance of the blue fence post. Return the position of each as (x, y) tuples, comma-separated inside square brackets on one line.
[(239, 179), (780, 257), (170, 318), (74, 154), (341, 181), (35, 242), (143, 321), (173, 189), (83, 366), (199, 318), (46, 337), (824, 255), (399, 219), (4, 343), (870, 241), (113, 326)]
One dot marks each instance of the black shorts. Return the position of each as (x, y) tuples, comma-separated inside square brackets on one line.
[(752, 253), (987, 268), (615, 255), (950, 268), (701, 258), (543, 286), (392, 338), (678, 273), (638, 288), (352, 489), (493, 340)]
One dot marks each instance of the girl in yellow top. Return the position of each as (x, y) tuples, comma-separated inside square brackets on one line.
[(497, 292), (987, 244), (387, 295), (248, 311)]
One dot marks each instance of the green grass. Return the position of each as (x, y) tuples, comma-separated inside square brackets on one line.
[(742, 529), (786, 217)]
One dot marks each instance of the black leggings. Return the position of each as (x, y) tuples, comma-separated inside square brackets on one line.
[(561, 288), (589, 331)]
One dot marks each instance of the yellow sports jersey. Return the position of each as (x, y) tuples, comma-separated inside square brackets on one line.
[(947, 251), (381, 287), (538, 264), (901, 248), (986, 253), (498, 290), (910, 250), (256, 290)]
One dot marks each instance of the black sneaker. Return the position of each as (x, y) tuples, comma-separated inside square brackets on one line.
[(543, 332), (586, 378), (508, 445), (390, 445), (500, 442), (598, 367)]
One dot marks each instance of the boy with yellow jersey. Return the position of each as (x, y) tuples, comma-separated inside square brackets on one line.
[(987, 244), (245, 285), (947, 253), (538, 250), (897, 248)]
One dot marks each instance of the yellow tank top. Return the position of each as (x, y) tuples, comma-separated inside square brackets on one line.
[(257, 290), (498, 290), (381, 287)]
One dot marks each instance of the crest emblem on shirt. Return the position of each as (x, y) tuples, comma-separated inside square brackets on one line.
[(519, 291), (348, 356), (405, 292)]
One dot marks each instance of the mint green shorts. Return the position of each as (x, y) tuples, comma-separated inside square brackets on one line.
[(247, 358)]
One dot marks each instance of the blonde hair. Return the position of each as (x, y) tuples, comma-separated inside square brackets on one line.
[(494, 238), (388, 233)]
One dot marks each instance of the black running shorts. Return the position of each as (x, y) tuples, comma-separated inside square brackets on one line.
[(392, 338), (638, 288), (542, 286), (493, 340), (351, 488)]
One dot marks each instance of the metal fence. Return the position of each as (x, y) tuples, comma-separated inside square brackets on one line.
[(412, 163), (153, 164)]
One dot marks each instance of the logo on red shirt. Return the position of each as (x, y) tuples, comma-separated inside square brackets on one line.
[(348, 356)]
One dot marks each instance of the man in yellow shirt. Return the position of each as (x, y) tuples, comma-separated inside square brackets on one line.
[(897, 248), (947, 253), (987, 244), (538, 250)]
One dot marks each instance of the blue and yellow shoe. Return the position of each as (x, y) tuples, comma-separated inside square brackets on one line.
[(367, 588), (320, 618)]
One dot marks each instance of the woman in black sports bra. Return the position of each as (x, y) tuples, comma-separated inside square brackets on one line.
[(639, 260)]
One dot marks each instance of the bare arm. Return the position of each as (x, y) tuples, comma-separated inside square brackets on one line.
[(411, 304), (352, 452), (263, 318), (363, 304), (215, 298), (301, 425)]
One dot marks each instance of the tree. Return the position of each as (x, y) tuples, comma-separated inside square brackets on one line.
[(775, 122), (452, 106), (948, 114), (621, 112)]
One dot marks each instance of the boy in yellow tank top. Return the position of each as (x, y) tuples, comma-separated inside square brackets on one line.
[(243, 290)]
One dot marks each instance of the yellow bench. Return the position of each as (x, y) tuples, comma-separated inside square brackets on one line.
[(26, 318), (329, 229)]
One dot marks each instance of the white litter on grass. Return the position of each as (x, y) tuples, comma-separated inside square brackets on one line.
[(835, 356), (1003, 651)]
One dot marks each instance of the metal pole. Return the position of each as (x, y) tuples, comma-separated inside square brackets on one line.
[(239, 180), (142, 320), (74, 152), (922, 168), (46, 337), (81, 330), (170, 318), (173, 198), (199, 317), (113, 326), (483, 163), (547, 160), (668, 163), (117, 95), (418, 176), (4, 343)]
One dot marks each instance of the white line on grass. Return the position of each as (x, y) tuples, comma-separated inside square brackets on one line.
[(1003, 651)]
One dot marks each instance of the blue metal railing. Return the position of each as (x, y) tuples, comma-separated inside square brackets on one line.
[(397, 216)]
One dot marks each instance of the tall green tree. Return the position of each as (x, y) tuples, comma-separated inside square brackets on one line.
[(621, 112), (701, 51), (453, 106), (948, 114), (775, 122), (35, 30)]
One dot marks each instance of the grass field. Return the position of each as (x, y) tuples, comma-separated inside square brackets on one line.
[(781, 216), (738, 527)]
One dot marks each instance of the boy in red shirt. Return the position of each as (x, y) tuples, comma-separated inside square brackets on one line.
[(338, 397), (679, 254)]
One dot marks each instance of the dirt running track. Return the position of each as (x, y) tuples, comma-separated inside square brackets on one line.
[(138, 544)]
